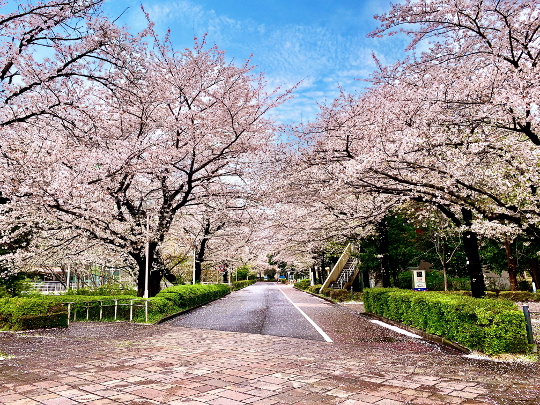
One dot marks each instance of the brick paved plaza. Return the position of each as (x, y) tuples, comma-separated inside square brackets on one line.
[(100, 364)]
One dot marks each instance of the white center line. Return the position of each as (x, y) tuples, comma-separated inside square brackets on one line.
[(317, 327)]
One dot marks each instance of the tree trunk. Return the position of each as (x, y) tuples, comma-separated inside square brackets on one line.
[(197, 273), (383, 251), (474, 268), (534, 271), (357, 282), (199, 259), (365, 278), (155, 272), (512, 264), (444, 263), (323, 269)]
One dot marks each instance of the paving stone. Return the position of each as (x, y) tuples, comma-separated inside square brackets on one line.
[(149, 393), (339, 393), (173, 365), (266, 401), (11, 398), (371, 399), (386, 401), (42, 398), (59, 401), (124, 397), (259, 392), (355, 402), (463, 394), (224, 401), (234, 395), (103, 401)]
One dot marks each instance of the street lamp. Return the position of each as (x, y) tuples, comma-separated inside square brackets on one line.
[(147, 269), (194, 263)]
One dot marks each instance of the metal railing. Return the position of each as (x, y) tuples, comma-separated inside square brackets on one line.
[(347, 274), (100, 310), (47, 287), (338, 267)]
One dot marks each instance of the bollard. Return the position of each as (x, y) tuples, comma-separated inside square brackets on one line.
[(528, 324)]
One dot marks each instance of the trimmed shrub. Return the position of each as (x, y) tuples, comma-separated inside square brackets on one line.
[(303, 284), (326, 292), (340, 295), (104, 290), (314, 288), (487, 325), (358, 296), (51, 320), (182, 297), (31, 313), (238, 285), (51, 311), (520, 296), (188, 296)]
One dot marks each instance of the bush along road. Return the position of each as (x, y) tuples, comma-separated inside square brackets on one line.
[(46, 311)]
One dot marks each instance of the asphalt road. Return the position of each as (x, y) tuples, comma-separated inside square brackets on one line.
[(281, 310), (262, 308)]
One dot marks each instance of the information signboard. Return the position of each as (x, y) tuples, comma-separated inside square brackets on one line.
[(419, 280)]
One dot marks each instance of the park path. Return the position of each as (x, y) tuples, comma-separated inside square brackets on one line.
[(120, 363)]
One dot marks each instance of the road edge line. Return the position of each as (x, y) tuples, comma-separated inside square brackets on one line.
[(311, 321), (396, 329)]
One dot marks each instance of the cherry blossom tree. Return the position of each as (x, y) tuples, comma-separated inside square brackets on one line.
[(51, 50), (447, 128), (133, 159), (498, 39)]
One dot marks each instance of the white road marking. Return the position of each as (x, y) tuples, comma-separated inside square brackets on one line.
[(396, 329), (317, 327)]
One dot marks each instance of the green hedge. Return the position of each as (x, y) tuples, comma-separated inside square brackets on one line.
[(487, 325), (31, 313), (314, 288), (104, 290), (238, 285), (340, 295), (515, 296), (302, 284), (188, 296), (49, 311), (182, 297), (519, 296)]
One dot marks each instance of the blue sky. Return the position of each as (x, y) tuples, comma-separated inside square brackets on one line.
[(321, 43)]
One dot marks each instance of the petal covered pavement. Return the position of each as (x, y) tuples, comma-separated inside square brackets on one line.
[(122, 363)]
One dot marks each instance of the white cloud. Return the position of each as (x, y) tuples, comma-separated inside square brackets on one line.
[(320, 56)]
